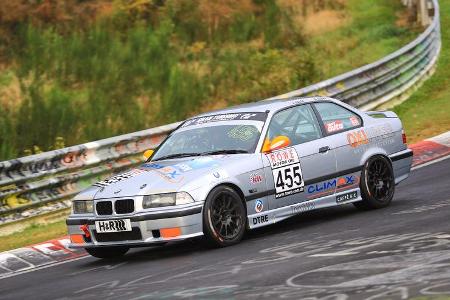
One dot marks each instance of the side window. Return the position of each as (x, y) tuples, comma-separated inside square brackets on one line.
[(298, 123), (336, 118)]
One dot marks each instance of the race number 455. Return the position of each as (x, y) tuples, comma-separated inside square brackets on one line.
[(287, 172)]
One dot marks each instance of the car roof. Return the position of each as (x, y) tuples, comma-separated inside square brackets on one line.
[(265, 105)]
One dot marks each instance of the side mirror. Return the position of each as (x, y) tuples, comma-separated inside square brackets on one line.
[(148, 153), (277, 143)]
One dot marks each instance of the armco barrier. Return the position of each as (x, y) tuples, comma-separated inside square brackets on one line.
[(55, 176)]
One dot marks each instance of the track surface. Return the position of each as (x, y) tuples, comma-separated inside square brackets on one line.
[(394, 253)]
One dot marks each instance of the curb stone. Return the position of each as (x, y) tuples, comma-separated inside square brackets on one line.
[(431, 149), (38, 255)]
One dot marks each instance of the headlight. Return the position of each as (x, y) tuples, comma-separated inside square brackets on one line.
[(83, 207), (169, 199)]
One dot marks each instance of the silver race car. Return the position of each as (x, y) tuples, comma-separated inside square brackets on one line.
[(221, 173)]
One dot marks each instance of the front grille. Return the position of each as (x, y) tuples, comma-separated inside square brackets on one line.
[(133, 235), (125, 206), (104, 208)]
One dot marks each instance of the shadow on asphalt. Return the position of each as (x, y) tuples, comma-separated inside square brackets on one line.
[(198, 246), (304, 221)]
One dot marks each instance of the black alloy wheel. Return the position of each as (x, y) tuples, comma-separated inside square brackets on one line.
[(377, 183), (224, 217)]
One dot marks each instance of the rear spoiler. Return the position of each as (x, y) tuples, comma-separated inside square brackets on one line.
[(382, 114)]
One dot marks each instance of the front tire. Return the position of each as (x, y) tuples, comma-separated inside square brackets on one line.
[(224, 217), (107, 252), (377, 183)]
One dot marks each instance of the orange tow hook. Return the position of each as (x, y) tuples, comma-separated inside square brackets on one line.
[(85, 229)]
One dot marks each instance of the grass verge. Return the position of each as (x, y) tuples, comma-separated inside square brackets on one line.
[(32, 235), (427, 112)]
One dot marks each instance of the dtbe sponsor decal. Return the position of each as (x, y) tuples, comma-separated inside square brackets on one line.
[(260, 219)]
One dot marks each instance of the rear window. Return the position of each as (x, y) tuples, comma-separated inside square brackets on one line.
[(336, 118)]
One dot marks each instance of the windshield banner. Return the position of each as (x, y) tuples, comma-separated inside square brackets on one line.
[(252, 116)]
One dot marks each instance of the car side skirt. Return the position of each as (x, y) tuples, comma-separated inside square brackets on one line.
[(275, 215)]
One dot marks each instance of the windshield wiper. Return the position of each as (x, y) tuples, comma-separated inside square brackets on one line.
[(177, 155), (230, 151)]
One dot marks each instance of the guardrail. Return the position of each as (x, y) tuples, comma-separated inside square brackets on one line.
[(55, 176)]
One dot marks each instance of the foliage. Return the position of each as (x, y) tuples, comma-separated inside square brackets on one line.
[(427, 111), (88, 70)]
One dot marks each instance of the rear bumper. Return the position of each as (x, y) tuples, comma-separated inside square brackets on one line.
[(147, 229), (401, 163)]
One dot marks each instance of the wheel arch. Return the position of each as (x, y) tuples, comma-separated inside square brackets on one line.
[(236, 188), (374, 152)]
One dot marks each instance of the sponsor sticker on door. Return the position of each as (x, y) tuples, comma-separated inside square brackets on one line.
[(334, 126), (287, 172), (346, 197)]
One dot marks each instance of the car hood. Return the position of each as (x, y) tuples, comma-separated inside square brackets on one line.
[(162, 177)]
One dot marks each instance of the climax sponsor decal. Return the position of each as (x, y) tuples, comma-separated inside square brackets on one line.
[(326, 187)]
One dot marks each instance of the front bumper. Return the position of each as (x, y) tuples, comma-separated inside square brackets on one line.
[(147, 228)]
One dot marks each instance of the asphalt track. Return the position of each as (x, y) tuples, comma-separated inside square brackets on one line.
[(399, 252)]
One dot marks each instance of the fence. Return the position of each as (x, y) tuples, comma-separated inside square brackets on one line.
[(46, 181)]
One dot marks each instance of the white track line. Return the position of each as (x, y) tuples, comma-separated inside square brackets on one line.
[(41, 267)]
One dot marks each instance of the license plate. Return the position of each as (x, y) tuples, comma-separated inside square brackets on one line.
[(113, 225)]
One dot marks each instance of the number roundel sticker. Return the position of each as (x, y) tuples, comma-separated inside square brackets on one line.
[(287, 172)]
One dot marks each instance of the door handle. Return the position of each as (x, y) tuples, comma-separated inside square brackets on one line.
[(324, 149)]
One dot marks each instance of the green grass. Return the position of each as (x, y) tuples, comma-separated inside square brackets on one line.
[(120, 75), (427, 112), (32, 235), (371, 35)]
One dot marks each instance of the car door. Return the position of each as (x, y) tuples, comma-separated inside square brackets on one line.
[(344, 127), (309, 156)]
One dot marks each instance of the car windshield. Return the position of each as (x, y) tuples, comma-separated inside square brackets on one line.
[(207, 136)]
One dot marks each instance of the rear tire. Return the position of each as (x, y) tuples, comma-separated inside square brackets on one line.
[(107, 252), (377, 183), (224, 217)]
